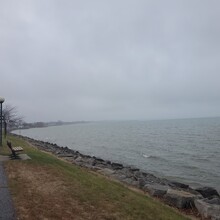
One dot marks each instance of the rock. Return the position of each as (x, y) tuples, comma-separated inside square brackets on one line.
[(207, 192), (90, 161), (151, 178), (141, 183), (119, 177), (214, 200), (116, 166), (78, 159), (180, 199), (209, 208), (179, 185), (108, 162), (106, 172), (127, 172), (156, 189), (138, 174), (100, 160), (101, 165), (133, 169), (130, 181)]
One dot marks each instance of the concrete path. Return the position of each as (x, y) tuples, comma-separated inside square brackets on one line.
[(7, 211)]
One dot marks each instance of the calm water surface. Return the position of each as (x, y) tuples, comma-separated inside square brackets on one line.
[(186, 150)]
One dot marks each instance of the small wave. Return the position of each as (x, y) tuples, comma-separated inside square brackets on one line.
[(151, 156), (157, 159), (190, 167), (202, 159)]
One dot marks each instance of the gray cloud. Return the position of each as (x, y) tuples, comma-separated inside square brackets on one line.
[(95, 60)]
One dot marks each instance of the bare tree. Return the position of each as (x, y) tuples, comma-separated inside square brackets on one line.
[(11, 118)]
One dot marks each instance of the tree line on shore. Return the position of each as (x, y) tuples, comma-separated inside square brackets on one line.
[(12, 120)]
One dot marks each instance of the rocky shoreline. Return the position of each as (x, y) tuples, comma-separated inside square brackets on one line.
[(205, 199)]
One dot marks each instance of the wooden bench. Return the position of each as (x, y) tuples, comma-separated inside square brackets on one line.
[(14, 150)]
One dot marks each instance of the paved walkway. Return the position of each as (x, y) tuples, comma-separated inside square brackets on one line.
[(7, 211)]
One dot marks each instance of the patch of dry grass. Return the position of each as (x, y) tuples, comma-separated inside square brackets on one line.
[(41, 193)]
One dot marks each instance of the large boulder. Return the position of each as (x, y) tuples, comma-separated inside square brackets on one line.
[(207, 192), (209, 208), (180, 199), (156, 189), (107, 172)]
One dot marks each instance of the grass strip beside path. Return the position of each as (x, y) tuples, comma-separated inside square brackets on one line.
[(48, 188)]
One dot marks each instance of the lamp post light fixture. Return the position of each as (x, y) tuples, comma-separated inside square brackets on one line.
[(1, 101)]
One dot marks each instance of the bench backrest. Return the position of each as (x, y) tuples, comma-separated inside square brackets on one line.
[(9, 145)]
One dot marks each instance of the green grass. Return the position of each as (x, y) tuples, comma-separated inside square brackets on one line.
[(92, 192)]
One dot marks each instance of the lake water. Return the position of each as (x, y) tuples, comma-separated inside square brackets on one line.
[(186, 150)]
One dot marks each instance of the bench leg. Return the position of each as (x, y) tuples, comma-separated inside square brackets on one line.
[(14, 156)]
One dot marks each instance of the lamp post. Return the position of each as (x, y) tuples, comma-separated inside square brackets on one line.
[(1, 101)]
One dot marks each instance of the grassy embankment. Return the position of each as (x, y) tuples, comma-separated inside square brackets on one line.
[(48, 188)]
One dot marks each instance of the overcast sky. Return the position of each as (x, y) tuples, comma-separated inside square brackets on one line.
[(102, 60)]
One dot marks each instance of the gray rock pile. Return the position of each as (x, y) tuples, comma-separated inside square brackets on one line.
[(209, 207), (206, 199)]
